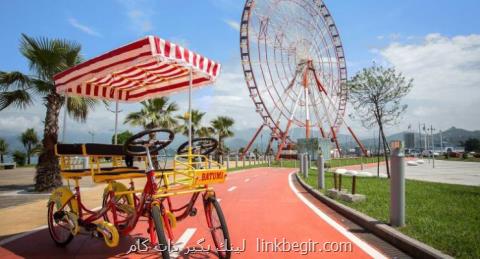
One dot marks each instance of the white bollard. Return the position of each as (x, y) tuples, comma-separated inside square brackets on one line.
[(305, 164), (397, 188), (321, 172)]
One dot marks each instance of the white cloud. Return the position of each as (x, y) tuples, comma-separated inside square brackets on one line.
[(446, 79), (83, 28), (228, 97), (233, 24), (140, 15), (19, 123)]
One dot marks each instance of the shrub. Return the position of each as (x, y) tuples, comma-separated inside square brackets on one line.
[(464, 155), (19, 157)]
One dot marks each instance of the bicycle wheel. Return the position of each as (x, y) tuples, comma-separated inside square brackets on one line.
[(218, 227), (59, 226), (124, 205), (163, 243)]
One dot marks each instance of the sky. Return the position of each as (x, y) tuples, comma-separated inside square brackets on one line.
[(434, 42)]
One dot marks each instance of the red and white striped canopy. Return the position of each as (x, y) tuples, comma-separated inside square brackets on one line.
[(144, 69)]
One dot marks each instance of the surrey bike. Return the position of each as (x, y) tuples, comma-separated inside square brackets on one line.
[(191, 174)]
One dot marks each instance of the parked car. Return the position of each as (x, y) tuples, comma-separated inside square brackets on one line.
[(429, 153), (426, 153)]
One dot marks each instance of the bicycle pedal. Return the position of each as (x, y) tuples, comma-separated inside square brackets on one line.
[(193, 212)]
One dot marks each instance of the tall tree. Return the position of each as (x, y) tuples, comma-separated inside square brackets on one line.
[(29, 140), (3, 149), (196, 122), (223, 129), (46, 57), (205, 132), (376, 94), (122, 137), (155, 113)]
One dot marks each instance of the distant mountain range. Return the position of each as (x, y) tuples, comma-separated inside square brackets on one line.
[(451, 137)]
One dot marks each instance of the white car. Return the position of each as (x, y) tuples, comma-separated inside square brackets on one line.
[(429, 153), (426, 153)]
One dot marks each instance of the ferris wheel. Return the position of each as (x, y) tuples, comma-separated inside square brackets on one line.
[(294, 67)]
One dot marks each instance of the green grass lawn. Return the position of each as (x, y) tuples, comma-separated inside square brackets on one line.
[(334, 162), (444, 216), (353, 161)]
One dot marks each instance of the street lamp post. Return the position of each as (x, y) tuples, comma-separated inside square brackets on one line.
[(433, 145), (426, 143), (441, 141), (116, 111)]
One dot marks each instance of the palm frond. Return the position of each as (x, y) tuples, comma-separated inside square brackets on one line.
[(78, 107), (42, 87), (135, 119), (205, 132), (29, 136), (48, 57), (155, 113), (222, 126), (18, 98), (15, 79)]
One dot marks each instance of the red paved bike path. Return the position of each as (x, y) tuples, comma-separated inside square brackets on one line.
[(259, 204)]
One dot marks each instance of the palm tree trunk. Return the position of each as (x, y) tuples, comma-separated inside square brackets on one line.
[(48, 173), (219, 149), (29, 151)]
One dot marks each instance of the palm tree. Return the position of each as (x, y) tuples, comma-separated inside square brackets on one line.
[(29, 140), (155, 113), (3, 149), (46, 57), (205, 132), (196, 122), (223, 128)]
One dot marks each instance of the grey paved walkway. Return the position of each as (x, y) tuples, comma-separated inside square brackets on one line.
[(16, 187), (453, 172)]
